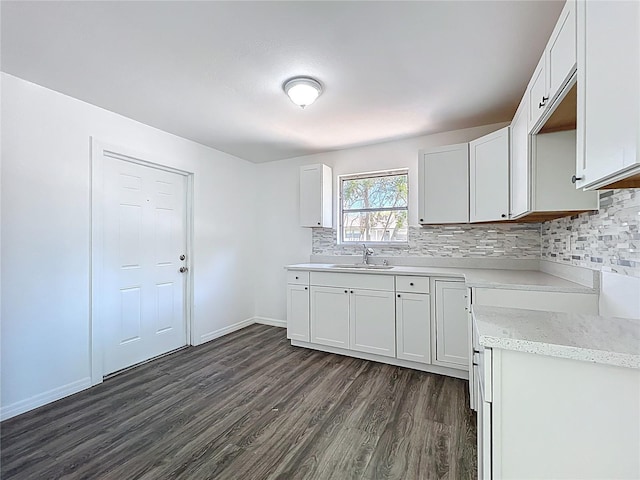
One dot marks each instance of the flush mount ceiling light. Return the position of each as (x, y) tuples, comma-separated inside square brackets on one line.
[(302, 91)]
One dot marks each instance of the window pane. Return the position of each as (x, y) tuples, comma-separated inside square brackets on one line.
[(375, 192), (381, 226)]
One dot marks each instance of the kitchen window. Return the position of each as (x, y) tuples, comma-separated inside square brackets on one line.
[(374, 207)]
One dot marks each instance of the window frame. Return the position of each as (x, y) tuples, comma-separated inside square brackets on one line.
[(360, 176)]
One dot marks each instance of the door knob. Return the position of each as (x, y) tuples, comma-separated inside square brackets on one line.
[(183, 269), (182, 257)]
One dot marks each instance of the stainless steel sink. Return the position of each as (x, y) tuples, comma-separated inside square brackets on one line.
[(363, 266)]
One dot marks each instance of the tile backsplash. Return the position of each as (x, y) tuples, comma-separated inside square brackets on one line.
[(605, 240), (514, 241), (608, 239)]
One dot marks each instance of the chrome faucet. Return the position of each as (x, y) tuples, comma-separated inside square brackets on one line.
[(366, 251)]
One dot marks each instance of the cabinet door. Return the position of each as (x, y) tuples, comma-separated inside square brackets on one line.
[(443, 185), (537, 93), (298, 312), (608, 93), (310, 196), (561, 50), (520, 166), (489, 177), (413, 327), (372, 319), (316, 196), (330, 316), (451, 324)]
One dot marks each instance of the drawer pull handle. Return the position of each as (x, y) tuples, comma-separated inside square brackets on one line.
[(543, 102)]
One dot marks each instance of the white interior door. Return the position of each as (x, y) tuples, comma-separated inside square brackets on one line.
[(142, 291)]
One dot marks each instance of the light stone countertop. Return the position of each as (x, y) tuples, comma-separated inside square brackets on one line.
[(474, 277), (589, 338)]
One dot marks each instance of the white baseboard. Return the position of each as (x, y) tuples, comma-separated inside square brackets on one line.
[(43, 398), (226, 330), (271, 321)]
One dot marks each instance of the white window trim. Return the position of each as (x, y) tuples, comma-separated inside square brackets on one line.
[(356, 176)]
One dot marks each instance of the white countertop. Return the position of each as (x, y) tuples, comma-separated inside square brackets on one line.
[(474, 277), (590, 338)]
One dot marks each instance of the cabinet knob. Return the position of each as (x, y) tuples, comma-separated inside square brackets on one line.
[(346, 291), (574, 179), (351, 291), (398, 295), (422, 219), (297, 278), (306, 288), (318, 223), (504, 215), (411, 284)]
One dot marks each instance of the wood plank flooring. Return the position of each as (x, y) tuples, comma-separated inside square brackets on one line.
[(250, 406)]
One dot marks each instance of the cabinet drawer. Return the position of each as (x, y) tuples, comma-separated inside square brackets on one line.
[(297, 278), (412, 284), (353, 280)]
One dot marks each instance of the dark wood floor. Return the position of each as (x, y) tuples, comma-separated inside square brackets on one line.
[(250, 406)]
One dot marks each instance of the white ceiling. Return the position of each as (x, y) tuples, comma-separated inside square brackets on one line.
[(213, 71)]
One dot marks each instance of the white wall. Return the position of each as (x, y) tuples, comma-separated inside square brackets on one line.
[(283, 241), (45, 225)]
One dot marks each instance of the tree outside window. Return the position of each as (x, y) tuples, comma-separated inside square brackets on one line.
[(374, 207)]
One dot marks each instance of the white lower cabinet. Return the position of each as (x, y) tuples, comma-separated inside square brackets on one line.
[(381, 317), (561, 418), (330, 316), (451, 325), (371, 319), (298, 312), (413, 327)]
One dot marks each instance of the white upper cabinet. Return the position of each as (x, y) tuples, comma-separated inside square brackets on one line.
[(561, 50), (556, 67), (608, 94), (489, 177), (443, 185), (552, 159), (520, 175), (315, 196), (537, 94), (541, 167)]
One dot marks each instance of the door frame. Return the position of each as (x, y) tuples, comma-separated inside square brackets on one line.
[(96, 333)]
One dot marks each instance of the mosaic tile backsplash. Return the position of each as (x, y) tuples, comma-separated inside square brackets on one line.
[(605, 240), (515, 241)]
